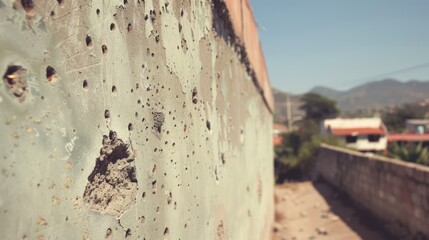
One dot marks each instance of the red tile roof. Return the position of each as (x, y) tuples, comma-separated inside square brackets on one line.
[(408, 137), (356, 131), (277, 140)]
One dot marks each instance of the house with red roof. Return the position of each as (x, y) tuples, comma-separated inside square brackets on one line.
[(416, 131), (362, 134)]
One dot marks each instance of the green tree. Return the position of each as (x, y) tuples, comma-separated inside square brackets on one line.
[(296, 155), (317, 107), (396, 119)]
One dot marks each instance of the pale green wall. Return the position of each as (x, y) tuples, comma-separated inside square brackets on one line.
[(212, 183)]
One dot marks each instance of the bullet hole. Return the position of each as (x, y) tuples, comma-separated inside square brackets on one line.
[(108, 233), (146, 17), (154, 169), (154, 187), (158, 121), (152, 14), (222, 158), (130, 27), (208, 125), (104, 49), (15, 81), (51, 74), (125, 1), (143, 194), (142, 219), (52, 13), (28, 5), (106, 114), (112, 26), (220, 230), (217, 178), (166, 231), (98, 12), (194, 96), (180, 27), (88, 41), (170, 198), (184, 44), (85, 84), (157, 38), (60, 2), (114, 90), (128, 233), (181, 13), (130, 127)]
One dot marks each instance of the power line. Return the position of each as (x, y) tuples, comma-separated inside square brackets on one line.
[(402, 70)]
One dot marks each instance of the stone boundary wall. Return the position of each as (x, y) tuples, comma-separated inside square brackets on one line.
[(394, 191)]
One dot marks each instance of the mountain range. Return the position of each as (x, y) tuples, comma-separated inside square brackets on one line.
[(377, 94), (371, 95)]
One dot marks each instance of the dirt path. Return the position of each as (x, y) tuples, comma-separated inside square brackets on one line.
[(314, 211)]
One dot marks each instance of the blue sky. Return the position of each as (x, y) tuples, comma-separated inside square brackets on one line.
[(342, 43)]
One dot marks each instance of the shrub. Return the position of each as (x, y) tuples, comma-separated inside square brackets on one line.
[(295, 156), (411, 152)]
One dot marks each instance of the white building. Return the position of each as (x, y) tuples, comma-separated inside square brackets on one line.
[(363, 134)]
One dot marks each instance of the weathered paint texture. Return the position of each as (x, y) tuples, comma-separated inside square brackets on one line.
[(131, 119), (395, 192)]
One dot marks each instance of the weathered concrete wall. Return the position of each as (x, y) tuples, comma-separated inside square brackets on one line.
[(131, 119), (392, 190)]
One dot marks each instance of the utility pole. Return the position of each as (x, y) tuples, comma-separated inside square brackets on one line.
[(289, 112)]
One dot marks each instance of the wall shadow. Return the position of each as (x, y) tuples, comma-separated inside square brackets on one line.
[(358, 219)]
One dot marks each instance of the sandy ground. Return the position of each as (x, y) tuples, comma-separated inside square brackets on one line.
[(314, 211)]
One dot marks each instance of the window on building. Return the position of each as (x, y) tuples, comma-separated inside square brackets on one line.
[(351, 139), (374, 137)]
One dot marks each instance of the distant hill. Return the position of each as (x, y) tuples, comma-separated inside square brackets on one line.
[(378, 94), (372, 95)]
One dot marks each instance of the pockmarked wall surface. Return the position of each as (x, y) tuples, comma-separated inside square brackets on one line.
[(131, 119), (395, 192)]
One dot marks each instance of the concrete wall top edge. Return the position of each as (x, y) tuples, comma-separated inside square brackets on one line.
[(246, 30), (387, 160)]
